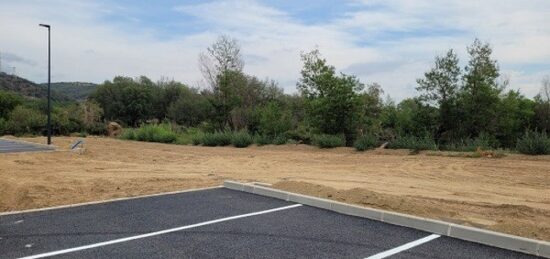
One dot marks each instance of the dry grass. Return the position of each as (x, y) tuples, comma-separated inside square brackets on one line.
[(510, 194)]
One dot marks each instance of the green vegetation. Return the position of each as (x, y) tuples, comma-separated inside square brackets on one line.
[(462, 109), (534, 143), (366, 142), (328, 141), (241, 139)]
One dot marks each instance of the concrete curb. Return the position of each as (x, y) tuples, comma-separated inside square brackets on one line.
[(486, 237)]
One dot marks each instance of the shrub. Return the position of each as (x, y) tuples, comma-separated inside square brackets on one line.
[(241, 139), (25, 120), (152, 133), (534, 143), (366, 142), (197, 139), (128, 134), (280, 140), (328, 141), (216, 139), (483, 141), (261, 140), (3, 126), (414, 143)]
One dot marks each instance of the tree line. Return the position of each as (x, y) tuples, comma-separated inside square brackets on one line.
[(457, 108)]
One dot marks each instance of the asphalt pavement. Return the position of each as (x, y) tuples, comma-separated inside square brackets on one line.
[(219, 223)]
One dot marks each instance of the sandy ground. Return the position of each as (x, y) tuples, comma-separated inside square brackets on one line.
[(510, 194)]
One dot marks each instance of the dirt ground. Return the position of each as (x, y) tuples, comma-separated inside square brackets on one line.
[(510, 194)]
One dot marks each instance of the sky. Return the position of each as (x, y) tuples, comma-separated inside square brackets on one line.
[(390, 42)]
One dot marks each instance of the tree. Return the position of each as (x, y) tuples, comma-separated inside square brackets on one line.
[(542, 106), (480, 92), (8, 102), (190, 109), (222, 56), (332, 101), (126, 99), (440, 85)]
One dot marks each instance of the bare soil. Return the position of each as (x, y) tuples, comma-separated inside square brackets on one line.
[(510, 194)]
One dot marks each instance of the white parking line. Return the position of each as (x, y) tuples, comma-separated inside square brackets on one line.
[(404, 247), (161, 232)]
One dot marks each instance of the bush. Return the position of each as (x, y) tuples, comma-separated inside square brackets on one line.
[(197, 139), (216, 139), (241, 139), (328, 141), (366, 142), (128, 134), (3, 126), (261, 140), (534, 143), (414, 143), (25, 120), (280, 140), (483, 141), (151, 133)]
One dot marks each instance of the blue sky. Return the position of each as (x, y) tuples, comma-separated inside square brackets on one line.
[(390, 42)]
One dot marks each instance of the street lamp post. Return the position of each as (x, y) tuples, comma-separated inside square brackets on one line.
[(49, 78)]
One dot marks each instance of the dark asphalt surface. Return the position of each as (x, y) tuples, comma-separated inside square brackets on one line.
[(301, 232), (10, 146)]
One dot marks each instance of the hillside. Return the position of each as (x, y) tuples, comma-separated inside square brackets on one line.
[(78, 91), (61, 92)]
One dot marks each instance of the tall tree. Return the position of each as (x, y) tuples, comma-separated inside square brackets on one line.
[(333, 103), (480, 92), (222, 56), (440, 85), (542, 108)]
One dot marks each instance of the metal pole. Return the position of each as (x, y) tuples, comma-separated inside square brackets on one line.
[(49, 82), (49, 126)]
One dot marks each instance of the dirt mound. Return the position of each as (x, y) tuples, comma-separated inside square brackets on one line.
[(114, 129), (515, 219)]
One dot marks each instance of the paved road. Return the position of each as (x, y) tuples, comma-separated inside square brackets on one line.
[(11, 146), (217, 223)]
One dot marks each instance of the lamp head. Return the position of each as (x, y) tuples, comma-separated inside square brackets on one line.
[(45, 25)]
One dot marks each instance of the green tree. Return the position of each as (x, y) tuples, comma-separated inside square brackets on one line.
[(542, 106), (126, 99), (515, 115), (440, 86), (480, 92), (190, 109), (333, 105), (8, 102)]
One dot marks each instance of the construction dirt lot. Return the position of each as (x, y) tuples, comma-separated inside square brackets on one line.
[(510, 194)]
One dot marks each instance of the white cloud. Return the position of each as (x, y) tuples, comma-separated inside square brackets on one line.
[(390, 42)]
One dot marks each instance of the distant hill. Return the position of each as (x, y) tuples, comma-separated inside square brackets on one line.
[(61, 92), (78, 91)]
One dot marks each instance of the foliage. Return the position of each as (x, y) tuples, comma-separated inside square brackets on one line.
[(280, 140), (365, 142), (162, 133), (25, 120), (413, 143), (241, 139), (262, 140), (328, 141), (8, 102), (534, 143), (333, 105), (219, 138)]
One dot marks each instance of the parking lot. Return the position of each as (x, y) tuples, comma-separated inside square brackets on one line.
[(12, 146), (218, 223)]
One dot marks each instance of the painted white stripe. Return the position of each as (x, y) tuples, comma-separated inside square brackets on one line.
[(404, 247), (161, 232)]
